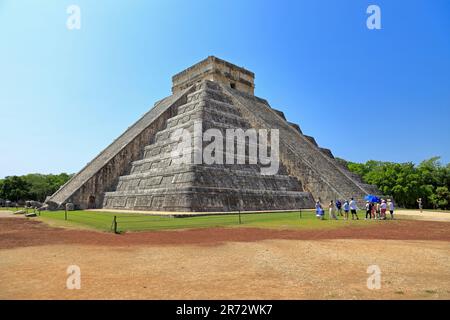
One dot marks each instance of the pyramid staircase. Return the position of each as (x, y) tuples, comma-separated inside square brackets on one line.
[(157, 182), (315, 167), (137, 171)]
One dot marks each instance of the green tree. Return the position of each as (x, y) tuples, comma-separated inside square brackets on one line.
[(441, 198), (14, 188), (406, 182), (31, 186)]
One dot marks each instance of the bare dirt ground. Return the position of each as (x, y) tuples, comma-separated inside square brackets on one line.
[(425, 215), (235, 263)]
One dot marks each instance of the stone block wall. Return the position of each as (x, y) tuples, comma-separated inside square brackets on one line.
[(157, 183), (87, 188), (215, 69), (315, 167)]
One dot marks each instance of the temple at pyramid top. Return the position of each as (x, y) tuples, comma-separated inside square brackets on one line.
[(217, 70)]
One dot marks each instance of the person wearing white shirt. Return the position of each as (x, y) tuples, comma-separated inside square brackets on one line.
[(331, 209), (383, 208), (391, 207), (419, 202), (368, 210), (354, 209)]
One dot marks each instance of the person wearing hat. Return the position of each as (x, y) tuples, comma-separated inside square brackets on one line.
[(391, 208), (383, 208)]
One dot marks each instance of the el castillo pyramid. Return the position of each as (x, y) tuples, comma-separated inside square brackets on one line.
[(137, 170)]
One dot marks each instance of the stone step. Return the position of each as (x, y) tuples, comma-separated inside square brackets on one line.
[(214, 104), (209, 200), (296, 127), (166, 156), (199, 188), (243, 169), (74, 186), (321, 173), (208, 94), (208, 84), (203, 109), (167, 133), (327, 152), (167, 146), (166, 159), (235, 181)]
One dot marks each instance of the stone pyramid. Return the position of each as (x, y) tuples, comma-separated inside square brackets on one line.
[(138, 171)]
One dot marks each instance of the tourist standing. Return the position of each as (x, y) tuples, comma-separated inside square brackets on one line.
[(339, 207), (319, 210), (331, 211), (378, 212), (419, 202), (368, 210), (391, 208), (374, 210), (383, 208), (346, 209), (354, 209)]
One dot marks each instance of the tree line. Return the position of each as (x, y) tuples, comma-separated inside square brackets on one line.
[(32, 186), (406, 182)]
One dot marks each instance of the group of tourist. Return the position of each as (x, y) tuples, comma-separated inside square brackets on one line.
[(374, 210)]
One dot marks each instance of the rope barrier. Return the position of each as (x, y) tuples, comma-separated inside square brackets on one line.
[(148, 222)]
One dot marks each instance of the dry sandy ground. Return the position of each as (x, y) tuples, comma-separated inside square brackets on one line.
[(270, 269), (425, 215), (226, 263)]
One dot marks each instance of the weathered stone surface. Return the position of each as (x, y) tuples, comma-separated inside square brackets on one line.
[(312, 140), (86, 189), (319, 174), (157, 183), (33, 204), (43, 208), (137, 171), (31, 215), (327, 152), (296, 127), (280, 113), (217, 70)]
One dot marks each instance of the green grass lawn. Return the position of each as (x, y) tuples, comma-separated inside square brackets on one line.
[(138, 222)]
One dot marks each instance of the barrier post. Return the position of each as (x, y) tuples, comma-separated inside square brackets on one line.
[(240, 222), (65, 213), (300, 213), (115, 224)]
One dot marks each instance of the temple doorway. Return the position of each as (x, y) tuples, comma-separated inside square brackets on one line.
[(91, 202)]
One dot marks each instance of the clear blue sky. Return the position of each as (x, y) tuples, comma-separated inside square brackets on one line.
[(366, 94)]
